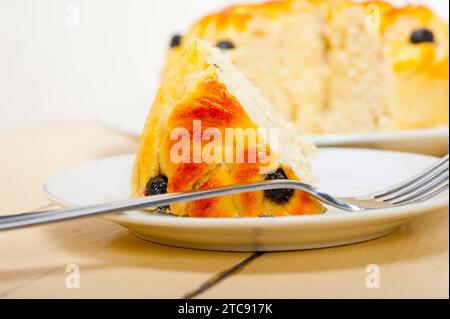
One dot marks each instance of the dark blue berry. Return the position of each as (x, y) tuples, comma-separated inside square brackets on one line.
[(422, 35), (225, 45), (279, 196), (176, 41), (156, 186)]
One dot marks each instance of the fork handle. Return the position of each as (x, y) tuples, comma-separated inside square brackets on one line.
[(30, 219)]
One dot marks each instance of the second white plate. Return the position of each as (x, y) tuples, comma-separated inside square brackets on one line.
[(433, 141)]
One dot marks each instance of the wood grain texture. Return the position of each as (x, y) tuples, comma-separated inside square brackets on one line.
[(31, 155), (414, 261), (112, 262)]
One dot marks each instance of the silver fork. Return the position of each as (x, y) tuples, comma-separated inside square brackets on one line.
[(418, 189)]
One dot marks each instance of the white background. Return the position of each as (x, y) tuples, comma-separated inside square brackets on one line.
[(53, 68)]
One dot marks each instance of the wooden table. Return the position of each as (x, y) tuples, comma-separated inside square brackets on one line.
[(414, 262)]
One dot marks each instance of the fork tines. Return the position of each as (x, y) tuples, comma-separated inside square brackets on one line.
[(420, 188)]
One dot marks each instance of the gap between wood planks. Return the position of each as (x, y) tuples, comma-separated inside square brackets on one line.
[(218, 278), (210, 283)]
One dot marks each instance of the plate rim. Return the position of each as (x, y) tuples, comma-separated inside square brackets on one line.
[(379, 137)]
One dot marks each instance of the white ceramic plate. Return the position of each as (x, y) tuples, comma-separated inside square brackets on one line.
[(343, 172), (433, 141)]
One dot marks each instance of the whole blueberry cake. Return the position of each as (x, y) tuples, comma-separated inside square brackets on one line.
[(337, 66)]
